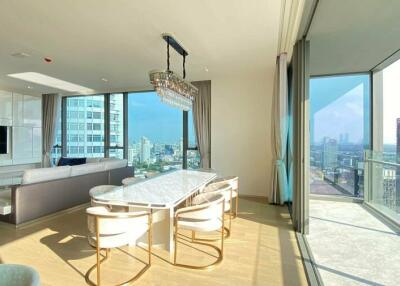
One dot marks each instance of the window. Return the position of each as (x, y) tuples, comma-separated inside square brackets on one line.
[(193, 155), (155, 134), (85, 134), (116, 118), (339, 134)]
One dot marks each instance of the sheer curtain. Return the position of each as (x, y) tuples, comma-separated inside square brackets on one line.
[(202, 121), (279, 193), (51, 109)]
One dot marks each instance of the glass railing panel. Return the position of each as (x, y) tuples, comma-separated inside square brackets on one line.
[(384, 183), (337, 173)]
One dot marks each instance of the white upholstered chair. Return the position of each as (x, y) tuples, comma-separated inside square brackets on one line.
[(233, 181), (205, 217), (109, 230), (218, 188), (101, 189), (130, 180)]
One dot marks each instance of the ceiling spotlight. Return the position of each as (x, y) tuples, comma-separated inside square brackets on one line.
[(104, 79), (206, 69), (29, 87)]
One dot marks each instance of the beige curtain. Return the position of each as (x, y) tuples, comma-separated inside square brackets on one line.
[(301, 144), (279, 193), (51, 109), (202, 121)]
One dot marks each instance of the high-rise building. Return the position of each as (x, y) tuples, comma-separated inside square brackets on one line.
[(330, 153), (397, 203), (145, 150)]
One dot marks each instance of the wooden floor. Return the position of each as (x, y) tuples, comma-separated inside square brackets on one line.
[(261, 251)]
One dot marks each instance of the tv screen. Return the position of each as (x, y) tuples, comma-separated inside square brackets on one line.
[(3, 139)]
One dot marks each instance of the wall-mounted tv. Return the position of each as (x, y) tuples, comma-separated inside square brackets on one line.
[(3, 139)]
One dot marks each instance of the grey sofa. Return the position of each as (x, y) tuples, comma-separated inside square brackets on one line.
[(34, 199)]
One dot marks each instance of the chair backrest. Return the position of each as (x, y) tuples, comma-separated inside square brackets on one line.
[(109, 223), (101, 189), (210, 206), (231, 180), (130, 180), (220, 188)]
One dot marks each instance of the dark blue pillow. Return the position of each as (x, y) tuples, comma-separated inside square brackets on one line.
[(71, 161)]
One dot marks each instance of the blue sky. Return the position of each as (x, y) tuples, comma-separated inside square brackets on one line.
[(151, 118), (339, 105)]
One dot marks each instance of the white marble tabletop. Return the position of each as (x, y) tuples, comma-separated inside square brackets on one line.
[(163, 191)]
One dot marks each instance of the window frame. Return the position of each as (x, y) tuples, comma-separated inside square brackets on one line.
[(106, 126)]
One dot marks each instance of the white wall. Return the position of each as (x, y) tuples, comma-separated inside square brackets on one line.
[(241, 130)]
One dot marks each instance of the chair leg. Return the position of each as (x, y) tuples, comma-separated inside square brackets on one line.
[(193, 235), (175, 242), (237, 204), (150, 237), (98, 264)]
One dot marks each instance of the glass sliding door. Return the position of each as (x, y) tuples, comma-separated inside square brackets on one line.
[(384, 160), (339, 134), (155, 134)]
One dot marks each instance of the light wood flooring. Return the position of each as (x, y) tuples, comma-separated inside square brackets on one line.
[(262, 250)]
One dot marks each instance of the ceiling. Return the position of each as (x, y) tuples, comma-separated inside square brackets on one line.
[(120, 40), (353, 36)]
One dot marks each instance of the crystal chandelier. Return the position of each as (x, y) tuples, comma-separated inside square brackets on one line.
[(172, 89)]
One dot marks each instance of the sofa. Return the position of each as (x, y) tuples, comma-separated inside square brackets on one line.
[(44, 191)]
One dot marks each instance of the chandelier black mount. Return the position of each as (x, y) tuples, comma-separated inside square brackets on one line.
[(171, 88)]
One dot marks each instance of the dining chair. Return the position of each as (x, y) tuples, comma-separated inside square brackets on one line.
[(131, 180), (205, 217), (109, 230), (234, 182), (226, 191)]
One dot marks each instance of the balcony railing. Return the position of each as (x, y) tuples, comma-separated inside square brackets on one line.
[(337, 173), (383, 183)]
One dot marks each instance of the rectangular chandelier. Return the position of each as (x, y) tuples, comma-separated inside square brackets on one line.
[(173, 89)]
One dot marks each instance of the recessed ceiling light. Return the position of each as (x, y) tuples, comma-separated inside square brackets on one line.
[(46, 80), (206, 69), (21, 55), (104, 79), (29, 87)]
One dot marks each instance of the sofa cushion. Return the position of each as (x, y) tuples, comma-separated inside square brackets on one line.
[(45, 174), (114, 163), (71, 161), (93, 160), (86, 169)]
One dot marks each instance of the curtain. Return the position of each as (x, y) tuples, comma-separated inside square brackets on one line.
[(51, 104), (279, 190), (202, 121), (301, 144)]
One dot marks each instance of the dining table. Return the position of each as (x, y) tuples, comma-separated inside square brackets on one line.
[(161, 195)]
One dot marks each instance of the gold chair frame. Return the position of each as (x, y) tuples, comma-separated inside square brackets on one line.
[(220, 250), (98, 249)]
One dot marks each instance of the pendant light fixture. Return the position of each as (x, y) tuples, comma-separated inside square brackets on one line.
[(173, 89)]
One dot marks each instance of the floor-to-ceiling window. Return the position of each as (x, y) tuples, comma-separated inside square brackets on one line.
[(116, 119), (136, 126), (339, 134), (155, 130)]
